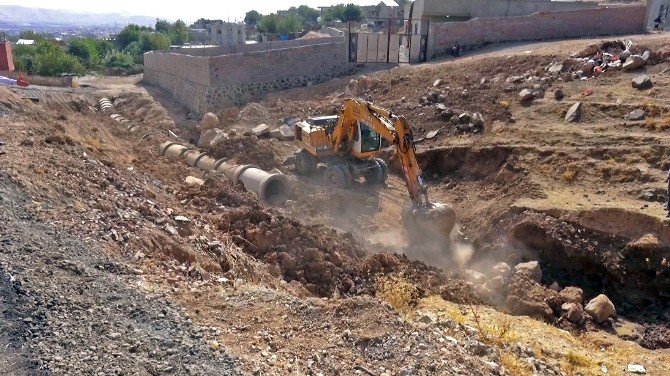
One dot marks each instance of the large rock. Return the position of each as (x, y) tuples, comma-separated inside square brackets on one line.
[(556, 68), (559, 94), (526, 95), (574, 113), (261, 130), (465, 118), (642, 82), (572, 294), (573, 312), (501, 269), (208, 121), (600, 308), (209, 137), (646, 55), (477, 119), (474, 276), (531, 269), (283, 133), (633, 62), (636, 115)]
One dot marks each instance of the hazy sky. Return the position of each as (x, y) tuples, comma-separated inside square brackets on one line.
[(189, 10)]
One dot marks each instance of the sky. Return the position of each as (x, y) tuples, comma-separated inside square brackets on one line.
[(188, 10)]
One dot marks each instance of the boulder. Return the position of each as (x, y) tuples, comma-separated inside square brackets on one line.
[(192, 180), (574, 113), (600, 308), (261, 130), (572, 294), (531, 269), (646, 55), (455, 120), (208, 121), (283, 133), (559, 94), (636, 115), (438, 82), (642, 82), (447, 114), (208, 137), (496, 283), (474, 276), (433, 96), (573, 312), (633, 62), (464, 118), (477, 119), (526, 95), (515, 79), (501, 269)]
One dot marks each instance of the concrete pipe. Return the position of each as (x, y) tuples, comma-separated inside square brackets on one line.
[(271, 188)]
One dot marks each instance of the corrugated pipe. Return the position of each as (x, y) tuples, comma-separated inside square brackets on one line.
[(105, 104), (271, 188)]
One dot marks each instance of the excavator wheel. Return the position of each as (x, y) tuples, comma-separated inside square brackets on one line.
[(338, 176), (428, 228), (378, 174), (305, 163), (385, 169)]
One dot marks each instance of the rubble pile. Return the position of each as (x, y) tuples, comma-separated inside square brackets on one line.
[(598, 58)]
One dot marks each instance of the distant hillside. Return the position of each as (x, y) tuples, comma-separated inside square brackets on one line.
[(38, 16)]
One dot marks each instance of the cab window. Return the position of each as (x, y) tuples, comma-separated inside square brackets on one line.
[(370, 140)]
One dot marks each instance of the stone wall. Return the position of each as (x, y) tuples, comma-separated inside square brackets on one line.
[(440, 10), (570, 24), (254, 47), (205, 83)]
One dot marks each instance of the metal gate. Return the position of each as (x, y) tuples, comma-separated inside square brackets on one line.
[(388, 41)]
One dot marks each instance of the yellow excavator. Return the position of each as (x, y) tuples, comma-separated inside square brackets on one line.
[(345, 148)]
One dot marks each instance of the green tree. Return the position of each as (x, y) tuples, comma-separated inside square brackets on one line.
[(162, 26), (29, 34), (334, 13), (252, 17), (289, 24), (178, 32), (55, 62), (268, 24), (130, 34), (150, 41), (86, 50), (308, 15), (134, 49), (24, 58), (352, 12)]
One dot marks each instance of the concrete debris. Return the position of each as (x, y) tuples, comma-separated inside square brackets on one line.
[(438, 82), (473, 276), (501, 269), (600, 308), (642, 82), (208, 121), (636, 368), (261, 130), (192, 180), (555, 68), (636, 115), (574, 113), (526, 95), (515, 79), (464, 118), (432, 134), (633, 62), (646, 55), (210, 137)]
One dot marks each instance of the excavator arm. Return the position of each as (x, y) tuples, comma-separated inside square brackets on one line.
[(393, 129)]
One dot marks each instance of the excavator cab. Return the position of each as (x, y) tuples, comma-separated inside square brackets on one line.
[(366, 141)]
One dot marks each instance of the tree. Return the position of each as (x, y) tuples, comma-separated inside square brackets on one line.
[(86, 50), (178, 32), (268, 24), (162, 26), (334, 13), (252, 17), (53, 61), (352, 12), (29, 34), (150, 41), (289, 24), (308, 15), (130, 34)]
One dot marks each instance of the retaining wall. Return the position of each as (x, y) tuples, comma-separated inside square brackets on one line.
[(210, 83), (552, 25), (254, 47)]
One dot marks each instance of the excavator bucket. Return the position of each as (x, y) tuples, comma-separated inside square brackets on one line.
[(428, 228)]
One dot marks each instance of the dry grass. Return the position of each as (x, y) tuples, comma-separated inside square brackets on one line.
[(396, 291), (514, 365), (570, 174)]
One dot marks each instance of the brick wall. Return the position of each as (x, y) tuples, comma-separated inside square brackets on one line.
[(205, 83), (255, 47), (569, 24)]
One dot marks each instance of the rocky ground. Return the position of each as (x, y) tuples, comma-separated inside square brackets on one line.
[(112, 262)]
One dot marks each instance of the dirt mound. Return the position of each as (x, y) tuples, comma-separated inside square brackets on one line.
[(246, 149)]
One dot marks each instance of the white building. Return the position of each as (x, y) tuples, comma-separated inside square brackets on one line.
[(227, 33)]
